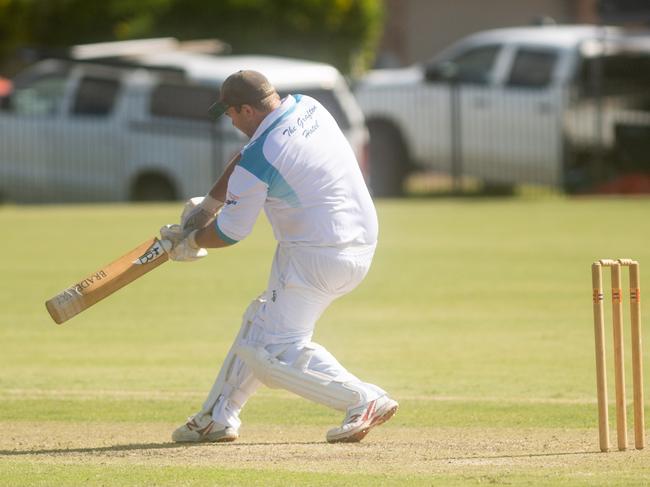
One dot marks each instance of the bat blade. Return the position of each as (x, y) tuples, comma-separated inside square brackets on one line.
[(105, 281)]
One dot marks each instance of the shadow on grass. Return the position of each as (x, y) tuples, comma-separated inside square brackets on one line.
[(145, 446), (172, 446)]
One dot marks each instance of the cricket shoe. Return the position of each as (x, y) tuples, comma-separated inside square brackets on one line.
[(202, 428), (360, 420)]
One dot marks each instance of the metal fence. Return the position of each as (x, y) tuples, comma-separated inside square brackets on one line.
[(587, 130), (85, 143), (465, 138), (66, 138), (554, 138), (97, 132)]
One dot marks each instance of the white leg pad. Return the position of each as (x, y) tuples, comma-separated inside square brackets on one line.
[(297, 378), (226, 372)]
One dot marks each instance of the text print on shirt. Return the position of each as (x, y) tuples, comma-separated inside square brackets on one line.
[(304, 123)]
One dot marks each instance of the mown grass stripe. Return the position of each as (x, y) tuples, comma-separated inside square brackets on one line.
[(289, 411), (24, 474), (176, 395)]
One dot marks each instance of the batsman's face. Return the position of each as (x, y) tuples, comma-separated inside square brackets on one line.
[(244, 118)]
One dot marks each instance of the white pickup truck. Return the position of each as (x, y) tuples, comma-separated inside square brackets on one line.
[(546, 105), (140, 130)]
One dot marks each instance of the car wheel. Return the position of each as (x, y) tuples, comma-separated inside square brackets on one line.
[(388, 160), (153, 187)]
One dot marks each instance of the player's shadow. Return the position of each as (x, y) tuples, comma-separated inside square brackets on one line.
[(176, 446), (145, 446)]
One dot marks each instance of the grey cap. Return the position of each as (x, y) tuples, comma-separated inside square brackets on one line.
[(245, 87)]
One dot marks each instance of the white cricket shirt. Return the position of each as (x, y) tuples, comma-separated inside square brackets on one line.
[(300, 167)]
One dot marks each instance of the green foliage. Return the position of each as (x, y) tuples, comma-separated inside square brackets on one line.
[(341, 32)]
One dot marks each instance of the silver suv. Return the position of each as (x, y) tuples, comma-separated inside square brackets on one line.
[(88, 131)]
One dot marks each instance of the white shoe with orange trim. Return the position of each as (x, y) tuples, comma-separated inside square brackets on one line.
[(202, 428), (360, 420)]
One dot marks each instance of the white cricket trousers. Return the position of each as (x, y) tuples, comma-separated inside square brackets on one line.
[(303, 283)]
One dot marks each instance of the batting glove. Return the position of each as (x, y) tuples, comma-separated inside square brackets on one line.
[(183, 244), (199, 212)]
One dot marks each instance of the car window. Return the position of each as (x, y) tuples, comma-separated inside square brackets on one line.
[(39, 96), (532, 68), (95, 96), (328, 99), (182, 101), (623, 73), (475, 65)]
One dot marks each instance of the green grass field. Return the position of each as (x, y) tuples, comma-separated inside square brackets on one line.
[(476, 316)]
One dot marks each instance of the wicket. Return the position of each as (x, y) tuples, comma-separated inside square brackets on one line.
[(619, 368)]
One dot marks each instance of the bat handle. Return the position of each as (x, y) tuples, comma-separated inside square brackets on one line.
[(166, 245)]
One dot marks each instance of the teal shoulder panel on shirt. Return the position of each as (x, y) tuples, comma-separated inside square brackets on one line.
[(253, 161)]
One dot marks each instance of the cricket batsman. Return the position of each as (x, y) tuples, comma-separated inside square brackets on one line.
[(299, 167)]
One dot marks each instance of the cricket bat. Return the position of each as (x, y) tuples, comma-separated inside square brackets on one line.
[(105, 281)]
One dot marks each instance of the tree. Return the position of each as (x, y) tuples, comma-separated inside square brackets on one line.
[(340, 32)]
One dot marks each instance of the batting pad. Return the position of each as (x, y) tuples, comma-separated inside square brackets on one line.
[(225, 376), (297, 378)]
